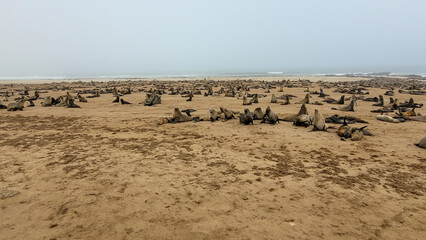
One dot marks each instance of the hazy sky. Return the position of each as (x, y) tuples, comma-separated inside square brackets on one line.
[(107, 37)]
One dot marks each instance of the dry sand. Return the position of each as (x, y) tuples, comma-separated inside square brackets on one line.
[(107, 171)]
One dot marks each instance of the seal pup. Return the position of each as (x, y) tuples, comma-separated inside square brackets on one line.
[(245, 101), (357, 134), (122, 101), (117, 99), (305, 100), (319, 122), (422, 143), (246, 117)]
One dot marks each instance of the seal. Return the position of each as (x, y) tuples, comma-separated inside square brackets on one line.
[(292, 117), (258, 114), (179, 117), (305, 100), (2, 106), (117, 99), (19, 105), (387, 118), (319, 122), (357, 134), (345, 130), (122, 101), (246, 118), (303, 120), (380, 103), (422, 143), (245, 101), (349, 107), (228, 114), (152, 99), (273, 98), (213, 115), (270, 117), (81, 98), (286, 100)]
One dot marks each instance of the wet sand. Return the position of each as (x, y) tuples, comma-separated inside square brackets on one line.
[(108, 171)]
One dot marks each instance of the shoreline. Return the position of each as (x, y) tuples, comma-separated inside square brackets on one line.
[(313, 78)]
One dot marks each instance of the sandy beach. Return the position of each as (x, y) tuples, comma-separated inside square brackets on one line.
[(108, 171)]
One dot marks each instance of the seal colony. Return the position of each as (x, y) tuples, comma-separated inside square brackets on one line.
[(193, 90), (213, 161)]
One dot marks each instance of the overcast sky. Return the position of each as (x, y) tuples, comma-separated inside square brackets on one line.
[(124, 37)]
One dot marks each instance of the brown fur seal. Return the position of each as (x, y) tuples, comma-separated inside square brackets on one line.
[(122, 101), (317, 103), (179, 117), (228, 114), (273, 98), (387, 118), (19, 105), (341, 100), (357, 134), (286, 100), (48, 101), (255, 99), (418, 118), (81, 98), (292, 117), (305, 100), (349, 107), (422, 143), (213, 115), (345, 130), (69, 103), (2, 106), (258, 114), (152, 99), (380, 103), (245, 101), (246, 117), (117, 99), (270, 117), (303, 120), (319, 122)]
